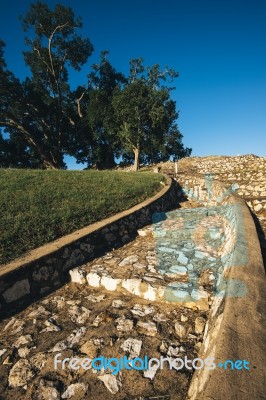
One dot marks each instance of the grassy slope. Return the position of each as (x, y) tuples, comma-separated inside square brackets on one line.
[(39, 206)]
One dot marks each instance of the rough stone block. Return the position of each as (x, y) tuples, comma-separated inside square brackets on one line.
[(18, 290)]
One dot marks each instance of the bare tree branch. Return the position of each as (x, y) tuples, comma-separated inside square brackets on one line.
[(49, 47), (78, 104)]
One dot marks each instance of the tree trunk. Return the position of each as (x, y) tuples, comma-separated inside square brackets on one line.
[(47, 164), (136, 160), (51, 160)]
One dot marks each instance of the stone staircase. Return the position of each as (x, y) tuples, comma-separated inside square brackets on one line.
[(150, 297)]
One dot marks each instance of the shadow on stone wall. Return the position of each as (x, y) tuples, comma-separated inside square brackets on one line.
[(29, 280), (261, 236)]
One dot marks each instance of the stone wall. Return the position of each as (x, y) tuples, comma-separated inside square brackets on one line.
[(247, 174), (235, 327), (47, 268)]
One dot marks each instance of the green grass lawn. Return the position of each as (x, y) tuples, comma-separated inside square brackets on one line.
[(37, 207)]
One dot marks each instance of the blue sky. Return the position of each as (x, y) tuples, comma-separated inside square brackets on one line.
[(217, 46)]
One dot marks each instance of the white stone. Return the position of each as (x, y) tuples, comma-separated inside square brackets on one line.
[(173, 351), (214, 234), (99, 319), (132, 346), (93, 279), (48, 393), (211, 277), (95, 299), (118, 304), (148, 328), (14, 325), (77, 275), (110, 283), (18, 290), (188, 246), (183, 318), (132, 286), (152, 269), (160, 290), (20, 374), (218, 301), (75, 389), (182, 259), (176, 269), (72, 339), (164, 346), (199, 325), (163, 249), (201, 299), (128, 261), (159, 233), (152, 259), (258, 207), (59, 301), (39, 312), (124, 325), (79, 314), (151, 372), (26, 339), (199, 294), (89, 348), (181, 295), (38, 360), (180, 330), (23, 352), (50, 327), (142, 309), (200, 254), (138, 265), (160, 318), (142, 232), (150, 294), (110, 382), (149, 279)]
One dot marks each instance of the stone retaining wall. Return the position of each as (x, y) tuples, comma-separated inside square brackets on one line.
[(46, 268), (235, 329), (247, 173)]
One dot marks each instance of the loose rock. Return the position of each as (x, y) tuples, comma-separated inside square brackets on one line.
[(21, 373)]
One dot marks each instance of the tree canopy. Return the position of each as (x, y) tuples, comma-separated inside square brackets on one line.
[(111, 116), (146, 115), (40, 110)]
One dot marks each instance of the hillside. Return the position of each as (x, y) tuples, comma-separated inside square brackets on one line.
[(37, 207)]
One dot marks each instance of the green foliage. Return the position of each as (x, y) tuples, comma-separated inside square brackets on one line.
[(110, 116), (146, 116), (39, 206), (40, 111), (99, 142), (16, 154)]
